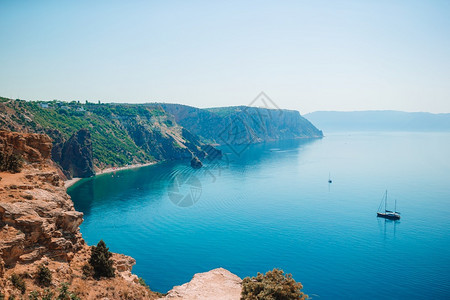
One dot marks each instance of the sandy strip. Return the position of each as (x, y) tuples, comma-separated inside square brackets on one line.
[(111, 170), (72, 181), (69, 183)]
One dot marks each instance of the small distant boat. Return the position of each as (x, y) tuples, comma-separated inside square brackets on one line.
[(329, 178), (388, 214)]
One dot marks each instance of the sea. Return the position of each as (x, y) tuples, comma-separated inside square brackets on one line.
[(270, 205)]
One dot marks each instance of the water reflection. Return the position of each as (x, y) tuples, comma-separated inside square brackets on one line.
[(108, 189)]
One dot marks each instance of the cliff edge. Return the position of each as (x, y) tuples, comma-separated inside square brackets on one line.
[(217, 284), (39, 226)]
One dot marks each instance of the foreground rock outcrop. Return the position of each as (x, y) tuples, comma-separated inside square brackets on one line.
[(39, 226), (32, 147), (217, 284)]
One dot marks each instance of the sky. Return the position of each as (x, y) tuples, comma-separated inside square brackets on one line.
[(305, 55)]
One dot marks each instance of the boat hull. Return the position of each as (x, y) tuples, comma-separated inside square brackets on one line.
[(388, 216)]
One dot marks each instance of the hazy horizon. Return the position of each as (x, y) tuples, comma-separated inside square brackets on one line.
[(306, 56)]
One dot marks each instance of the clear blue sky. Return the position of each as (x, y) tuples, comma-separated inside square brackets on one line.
[(306, 55)]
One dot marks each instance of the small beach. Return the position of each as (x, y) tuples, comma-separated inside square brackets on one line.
[(70, 182)]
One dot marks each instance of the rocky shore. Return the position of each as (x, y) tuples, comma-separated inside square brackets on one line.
[(39, 226)]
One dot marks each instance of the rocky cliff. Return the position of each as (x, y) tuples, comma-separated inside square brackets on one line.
[(242, 124), (96, 136), (31, 147), (39, 226), (76, 155)]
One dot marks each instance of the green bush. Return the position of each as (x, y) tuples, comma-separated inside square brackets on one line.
[(100, 261), (65, 294), (48, 295), (34, 295), (88, 270), (44, 276), (274, 285), (142, 282), (18, 283)]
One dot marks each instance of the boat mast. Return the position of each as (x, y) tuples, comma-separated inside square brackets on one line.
[(385, 202)]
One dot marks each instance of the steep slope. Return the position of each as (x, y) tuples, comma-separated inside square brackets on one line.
[(88, 137), (242, 124), (115, 134), (39, 226)]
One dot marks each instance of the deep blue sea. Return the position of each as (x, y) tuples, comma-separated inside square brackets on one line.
[(270, 205)]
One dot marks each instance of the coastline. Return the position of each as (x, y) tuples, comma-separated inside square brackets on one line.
[(70, 182)]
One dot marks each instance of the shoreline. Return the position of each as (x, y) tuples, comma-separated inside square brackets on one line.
[(70, 182)]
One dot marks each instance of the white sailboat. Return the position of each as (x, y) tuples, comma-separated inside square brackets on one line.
[(388, 214)]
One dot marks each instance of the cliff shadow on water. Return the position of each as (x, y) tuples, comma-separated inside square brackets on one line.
[(148, 185), (115, 188)]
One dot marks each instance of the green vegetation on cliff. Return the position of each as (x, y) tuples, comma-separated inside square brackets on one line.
[(274, 285), (88, 135), (100, 261), (120, 133)]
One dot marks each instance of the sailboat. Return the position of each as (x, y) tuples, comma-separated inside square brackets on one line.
[(329, 178), (388, 214)]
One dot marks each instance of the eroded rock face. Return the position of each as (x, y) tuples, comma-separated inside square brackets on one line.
[(37, 218), (32, 147), (76, 155), (217, 284), (39, 225)]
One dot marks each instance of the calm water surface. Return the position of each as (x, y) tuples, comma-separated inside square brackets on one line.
[(272, 206)]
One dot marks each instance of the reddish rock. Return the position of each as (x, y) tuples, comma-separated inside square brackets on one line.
[(32, 147)]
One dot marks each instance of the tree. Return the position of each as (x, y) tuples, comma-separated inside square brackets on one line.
[(44, 276), (274, 285), (100, 261)]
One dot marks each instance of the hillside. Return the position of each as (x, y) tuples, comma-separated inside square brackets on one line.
[(379, 121), (101, 135), (242, 124), (88, 137), (40, 227)]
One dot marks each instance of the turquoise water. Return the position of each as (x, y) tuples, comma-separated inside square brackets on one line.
[(272, 206)]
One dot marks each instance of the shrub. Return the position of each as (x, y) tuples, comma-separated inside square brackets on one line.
[(142, 282), (88, 270), (44, 276), (274, 285), (34, 295), (48, 295), (18, 283), (65, 294), (100, 261)]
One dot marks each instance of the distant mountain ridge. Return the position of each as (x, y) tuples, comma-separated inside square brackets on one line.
[(379, 120), (88, 137)]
